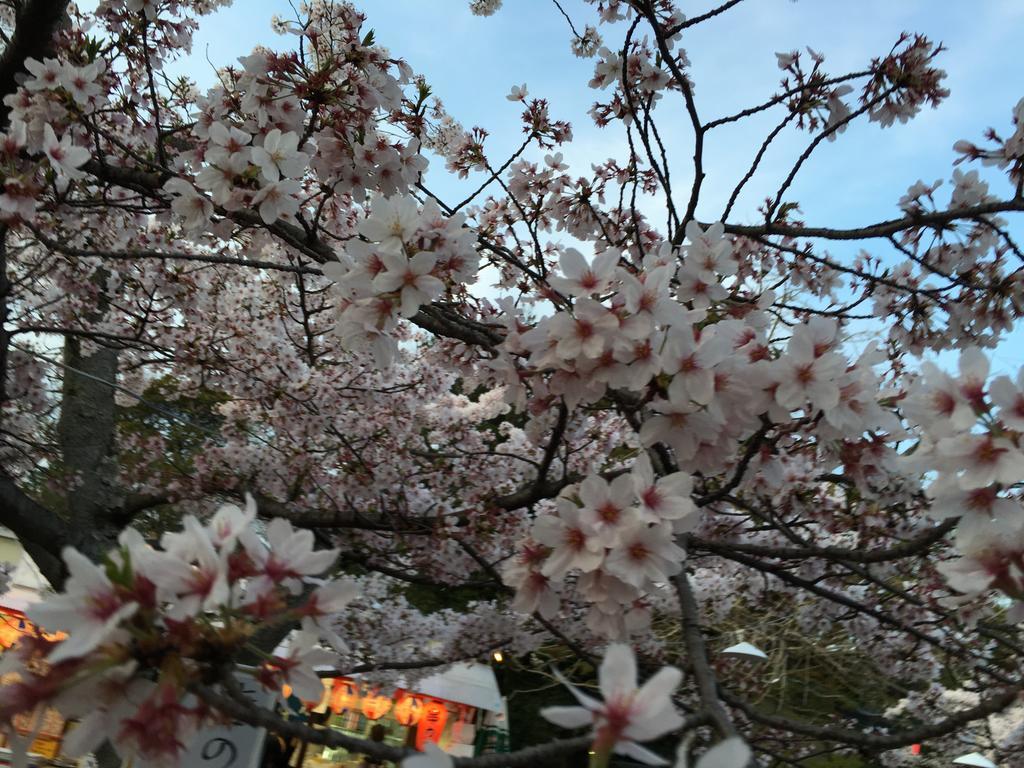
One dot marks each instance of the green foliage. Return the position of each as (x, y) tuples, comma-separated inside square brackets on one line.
[(528, 692), (185, 422), (431, 599)]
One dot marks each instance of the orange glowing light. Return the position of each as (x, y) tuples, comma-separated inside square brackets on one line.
[(408, 710), (431, 725), (345, 696), (376, 706)]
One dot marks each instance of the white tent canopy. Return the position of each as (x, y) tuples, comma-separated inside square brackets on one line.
[(472, 684)]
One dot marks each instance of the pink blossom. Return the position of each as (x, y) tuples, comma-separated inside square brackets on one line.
[(90, 609), (628, 714)]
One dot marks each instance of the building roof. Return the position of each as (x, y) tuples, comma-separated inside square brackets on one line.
[(472, 684), (27, 583)]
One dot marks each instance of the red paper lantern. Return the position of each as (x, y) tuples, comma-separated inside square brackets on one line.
[(376, 706), (345, 696), (408, 710), (431, 725)]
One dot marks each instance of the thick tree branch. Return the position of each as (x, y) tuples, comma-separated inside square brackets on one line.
[(909, 548), (697, 656), (40, 530)]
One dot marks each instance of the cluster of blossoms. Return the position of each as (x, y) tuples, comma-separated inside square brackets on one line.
[(25, 178), (149, 625), (1007, 154), (258, 144), (950, 290), (706, 376), (972, 441), (484, 7), (618, 536), (630, 322), (409, 257), (239, 173)]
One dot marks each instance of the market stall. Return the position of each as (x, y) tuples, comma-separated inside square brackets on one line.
[(460, 710)]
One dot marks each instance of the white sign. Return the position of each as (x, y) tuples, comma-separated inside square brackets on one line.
[(236, 746)]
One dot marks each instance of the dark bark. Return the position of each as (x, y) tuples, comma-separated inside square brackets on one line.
[(87, 427)]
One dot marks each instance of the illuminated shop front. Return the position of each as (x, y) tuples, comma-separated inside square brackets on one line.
[(460, 710), (26, 587), (48, 726)]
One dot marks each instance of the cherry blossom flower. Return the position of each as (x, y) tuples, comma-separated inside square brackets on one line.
[(645, 554), (698, 287), (81, 83), (939, 403), (573, 546), (1009, 397), (806, 373), (607, 70), (584, 333), (279, 156), (535, 592), (976, 507), (229, 147), (297, 667), (65, 158), (288, 557), (586, 45), (583, 279), (992, 558), (90, 609), (327, 601), (392, 221), (628, 714), (46, 74), (101, 705), (662, 498), (193, 208), (691, 362), (484, 7), (608, 507), (229, 522), (838, 111), (159, 730), (219, 182), (200, 580), (679, 425), (412, 278), (982, 460), (785, 60), (518, 93), (278, 200)]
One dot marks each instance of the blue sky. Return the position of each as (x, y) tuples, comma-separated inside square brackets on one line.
[(472, 62)]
